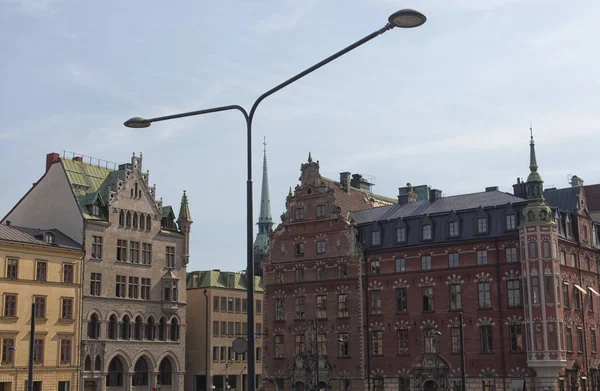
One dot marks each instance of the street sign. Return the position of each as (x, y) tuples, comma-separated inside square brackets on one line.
[(240, 345)]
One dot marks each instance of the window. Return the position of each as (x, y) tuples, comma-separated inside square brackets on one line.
[(93, 327), (121, 218), (170, 256), (223, 353), (238, 305), (343, 346), (244, 306), (374, 268), (146, 253), (65, 351), (67, 308), (299, 249), (513, 288), (511, 254), (134, 283), (453, 260), (378, 383), (401, 235), (455, 335), (400, 265), (342, 271), (279, 277), (126, 328), (230, 304), (299, 275), (49, 237), (145, 291), (279, 346), (258, 307), (576, 300), (535, 290), (511, 222), (215, 328), (299, 307), (150, 329), (376, 343), (426, 232), (483, 290), (238, 329), (142, 221), (135, 220), (569, 339), (573, 260), (134, 252), (546, 250), (566, 294), (549, 290), (593, 339), (320, 210), (376, 302), (170, 290), (488, 385), (41, 273), (455, 297), (97, 247), (230, 329), (486, 339), (12, 269), (279, 313), (321, 307), (427, 293), (321, 344), (215, 355), (403, 384), (121, 286), (40, 307), (67, 273), (128, 220), (299, 213), (320, 273), (426, 262), (38, 351), (551, 337), (401, 300), (343, 306), (402, 340), (453, 228), (482, 258), (482, 226), (375, 238), (532, 250), (223, 329), (148, 222), (258, 330), (430, 341), (10, 305), (563, 257), (579, 340), (165, 372), (515, 335), (121, 250), (140, 374), (8, 350), (321, 247), (258, 356)]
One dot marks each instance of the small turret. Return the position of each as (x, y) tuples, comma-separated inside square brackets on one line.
[(185, 222)]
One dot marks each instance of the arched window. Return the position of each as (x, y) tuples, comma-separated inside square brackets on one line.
[(94, 327), (121, 218), (148, 223), (112, 327), (136, 189), (128, 220), (150, 330), (135, 220), (139, 328), (162, 330), (87, 366), (164, 372), (126, 328), (174, 330), (115, 373), (140, 376), (98, 364), (142, 221)]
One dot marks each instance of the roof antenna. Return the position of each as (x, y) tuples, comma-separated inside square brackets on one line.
[(531, 129)]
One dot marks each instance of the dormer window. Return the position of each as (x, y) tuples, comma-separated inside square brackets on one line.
[(511, 222), (95, 210), (376, 238), (453, 229), (401, 234), (482, 225), (49, 237), (426, 232)]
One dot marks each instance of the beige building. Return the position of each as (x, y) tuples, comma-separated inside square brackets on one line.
[(216, 315), (42, 267), (136, 252)]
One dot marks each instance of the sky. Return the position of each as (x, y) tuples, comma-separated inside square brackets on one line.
[(448, 104)]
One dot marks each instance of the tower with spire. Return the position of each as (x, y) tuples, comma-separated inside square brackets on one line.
[(265, 221), (185, 223)]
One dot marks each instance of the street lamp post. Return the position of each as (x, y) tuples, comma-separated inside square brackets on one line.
[(406, 18)]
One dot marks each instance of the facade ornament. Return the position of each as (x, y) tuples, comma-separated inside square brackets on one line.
[(483, 277), (454, 279), (400, 283), (427, 281)]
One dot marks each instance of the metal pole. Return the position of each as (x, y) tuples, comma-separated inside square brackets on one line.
[(462, 355), (31, 349), (317, 342), (207, 380)]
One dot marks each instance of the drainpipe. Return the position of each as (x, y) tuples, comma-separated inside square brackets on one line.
[(583, 313), (366, 307), (498, 286), (206, 338), (80, 320)]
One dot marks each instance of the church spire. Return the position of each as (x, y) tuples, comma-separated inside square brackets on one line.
[(534, 180), (265, 200), (532, 160), (265, 222)]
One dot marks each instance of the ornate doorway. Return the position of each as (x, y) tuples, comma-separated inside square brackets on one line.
[(430, 385)]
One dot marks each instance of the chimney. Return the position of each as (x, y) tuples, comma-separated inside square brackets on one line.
[(78, 159), (576, 181), (8, 223), (491, 188), (345, 181), (358, 182), (406, 194), (519, 189), (434, 195), (51, 158)]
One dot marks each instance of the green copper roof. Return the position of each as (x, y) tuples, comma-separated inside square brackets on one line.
[(87, 181), (167, 210), (219, 279), (184, 210)]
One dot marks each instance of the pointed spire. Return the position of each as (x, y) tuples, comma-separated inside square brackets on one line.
[(534, 180), (532, 159), (265, 200), (290, 192), (184, 210), (309, 157)]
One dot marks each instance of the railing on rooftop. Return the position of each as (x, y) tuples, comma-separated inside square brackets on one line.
[(89, 159)]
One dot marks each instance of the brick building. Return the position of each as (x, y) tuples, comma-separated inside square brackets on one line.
[(522, 268)]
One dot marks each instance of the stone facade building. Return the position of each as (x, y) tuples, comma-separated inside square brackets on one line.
[(135, 267), (523, 269)]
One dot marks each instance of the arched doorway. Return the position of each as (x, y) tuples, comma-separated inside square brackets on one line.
[(299, 386), (430, 385), (114, 377), (165, 372)]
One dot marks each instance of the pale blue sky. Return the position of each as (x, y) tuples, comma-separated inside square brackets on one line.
[(447, 104)]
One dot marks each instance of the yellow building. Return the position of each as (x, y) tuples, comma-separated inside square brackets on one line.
[(216, 316), (41, 267)]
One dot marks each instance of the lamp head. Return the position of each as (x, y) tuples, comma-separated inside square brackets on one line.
[(137, 122), (407, 18)]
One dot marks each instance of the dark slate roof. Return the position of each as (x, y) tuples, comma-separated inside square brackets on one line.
[(563, 199), (218, 279), (355, 199), (446, 204), (35, 236), (592, 195)]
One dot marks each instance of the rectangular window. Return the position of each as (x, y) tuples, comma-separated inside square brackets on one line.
[(515, 334), (321, 344), (532, 250), (342, 271), (258, 307), (121, 285), (134, 283), (343, 305), (95, 284), (223, 353), (320, 210), (244, 306), (576, 300), (488, 385), (566, 294), (238, 305), (486, 339), (321, 307), (8, 350), (64, 386), (299, 275), (223, 304), (67, 273), (374, 268), (569, 339), (453, 229), (427, 293), (377, 343), (375, 238), (455, 297), (321, 247), (38, 351), (223, 329), (426, 232), (299, 307), (279, 312), (300, 340), (238, 329), (230, 329), (12, 269), (455, 331), (579, 340), (563, 258), (511, 255), (67, 308), (121, 250), (145, 294), (483, 291), (170, 256), (549, 289), (65, 351), (97, 247), (453, 260), (402, 340), (147, 253), (551, 337), (535, 290), (539, 343), (376, 302), (546, 249), (215, 354), (400, 265), (573, 260), (426, 262), (593, 340), (134, 252), (215, 303), (511, 222), (401, 235), (279, 276), (40, 307), (279, 346), (215, 328), (401, 300), (299, 213), (41, 271), (343, 346), (513, 288), (10, 305), (482, 258), (482, 225), (230, 304), (299, 249), (320, 273), (258, 330)]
